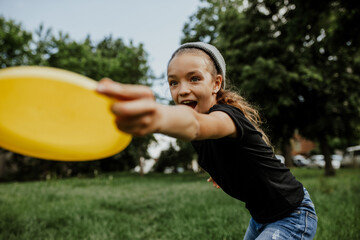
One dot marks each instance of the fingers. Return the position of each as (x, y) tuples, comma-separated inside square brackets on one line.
[(210, 179), (136, 109), (133, 108), (137, 117), (137, 126), (123, 91), (215, 185)]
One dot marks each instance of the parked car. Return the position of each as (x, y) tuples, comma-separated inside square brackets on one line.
[(318, 161), (336, 160), (300, 161), (351, 157)]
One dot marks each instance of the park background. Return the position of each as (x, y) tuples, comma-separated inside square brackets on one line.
[(298, 61)]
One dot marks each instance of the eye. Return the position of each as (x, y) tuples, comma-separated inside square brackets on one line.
[(172, 83), (195, 79)]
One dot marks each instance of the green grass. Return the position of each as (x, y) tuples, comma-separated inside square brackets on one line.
[(185, 206)]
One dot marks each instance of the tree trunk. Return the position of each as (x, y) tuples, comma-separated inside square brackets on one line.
[(141, 165), (325, 149), (286, 151), (2, 163)]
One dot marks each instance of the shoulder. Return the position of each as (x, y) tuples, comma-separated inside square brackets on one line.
[(227, 109), (215, 125)]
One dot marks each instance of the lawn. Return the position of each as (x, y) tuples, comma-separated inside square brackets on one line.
[(156, 206)]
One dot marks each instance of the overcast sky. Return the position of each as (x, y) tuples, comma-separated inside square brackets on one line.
[(157, 24)]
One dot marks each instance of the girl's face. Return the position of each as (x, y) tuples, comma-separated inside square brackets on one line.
[(192, 83)]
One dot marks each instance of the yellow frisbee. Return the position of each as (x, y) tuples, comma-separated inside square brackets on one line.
[(55, 114)]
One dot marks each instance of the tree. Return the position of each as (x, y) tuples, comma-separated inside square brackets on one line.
[(331, 67), (324, 63), (15, 44), (166, 159), (125, 63), (295, 59), (179, 155)]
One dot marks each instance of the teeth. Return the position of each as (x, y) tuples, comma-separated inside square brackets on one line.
[(189, 103)]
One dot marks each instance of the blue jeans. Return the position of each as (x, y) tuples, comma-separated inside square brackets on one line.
[(300, 224)]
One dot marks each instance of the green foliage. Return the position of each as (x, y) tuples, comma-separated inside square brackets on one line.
[(125, 63), (328, 70), (297, 60), (155, 206), (15, 44), (179, 156), (166, 159)]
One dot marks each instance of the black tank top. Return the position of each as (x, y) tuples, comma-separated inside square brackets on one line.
[(245, 168)]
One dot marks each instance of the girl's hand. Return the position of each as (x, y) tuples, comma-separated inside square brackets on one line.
[(136, 111), (213, 182)]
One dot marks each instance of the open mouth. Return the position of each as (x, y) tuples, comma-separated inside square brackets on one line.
[(189, 103)]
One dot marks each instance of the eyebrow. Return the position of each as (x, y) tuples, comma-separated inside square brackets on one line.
[(187, 75), (171, 76)]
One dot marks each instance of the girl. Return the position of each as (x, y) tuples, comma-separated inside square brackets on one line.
[(224, 130)]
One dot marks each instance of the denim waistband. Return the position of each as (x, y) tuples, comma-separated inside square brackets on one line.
[(307, 204)]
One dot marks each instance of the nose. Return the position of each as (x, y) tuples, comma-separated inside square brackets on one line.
[(184, 89)]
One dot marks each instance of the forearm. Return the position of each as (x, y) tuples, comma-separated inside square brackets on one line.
[(178, 121), (137, 113)]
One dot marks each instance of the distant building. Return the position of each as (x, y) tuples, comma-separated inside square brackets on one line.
[(301, 145)]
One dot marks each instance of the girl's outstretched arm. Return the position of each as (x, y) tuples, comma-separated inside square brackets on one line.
[(137, 113)]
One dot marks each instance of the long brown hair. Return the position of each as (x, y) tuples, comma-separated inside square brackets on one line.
[(251, 113), (227, 96)]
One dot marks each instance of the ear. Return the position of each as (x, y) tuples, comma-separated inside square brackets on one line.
[(217, 84)]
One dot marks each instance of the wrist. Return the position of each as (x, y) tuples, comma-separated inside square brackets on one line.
[(177, 121)]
